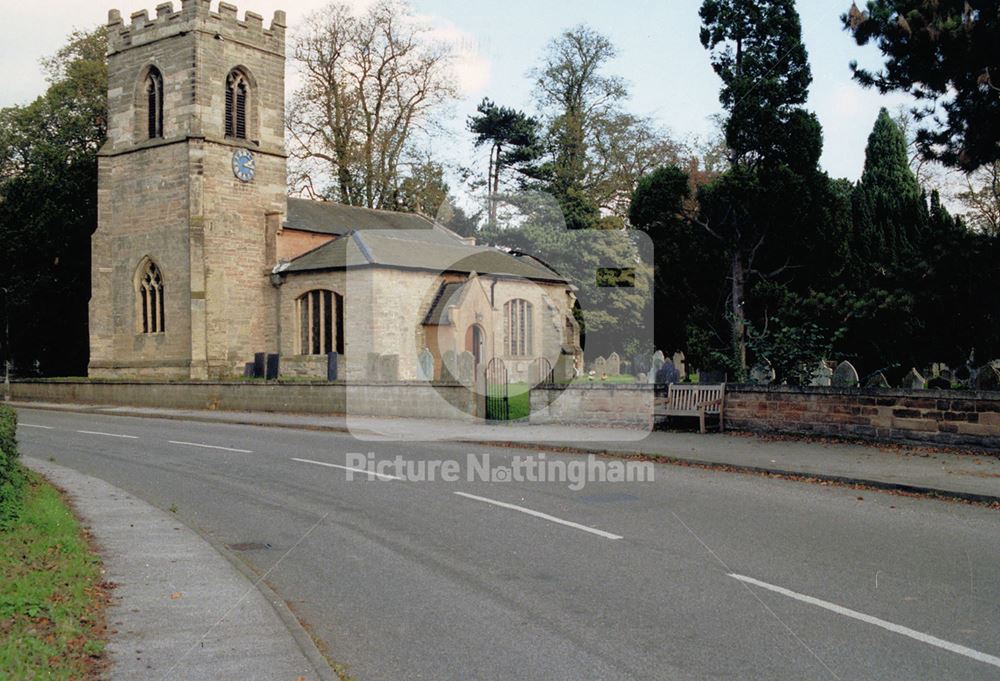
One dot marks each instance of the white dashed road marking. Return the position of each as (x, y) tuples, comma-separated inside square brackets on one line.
[(195, 444), (889, 626), (380, 476), (97, 432), (543, 516), (31, 425)]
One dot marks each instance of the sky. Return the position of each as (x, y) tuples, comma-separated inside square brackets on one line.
[(498, 43)]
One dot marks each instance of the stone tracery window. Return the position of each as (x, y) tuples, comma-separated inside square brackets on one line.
[(518, 328), (321, 322), (237, 104), (152, 317), (154, 103)]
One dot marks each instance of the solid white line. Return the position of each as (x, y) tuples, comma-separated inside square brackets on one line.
[(380, 476), (543, 516), (95, 432), (895, 628), (195, 444), (29, 425)]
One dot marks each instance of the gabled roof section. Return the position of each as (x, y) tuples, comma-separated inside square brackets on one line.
[(420, 249), (336, 219)]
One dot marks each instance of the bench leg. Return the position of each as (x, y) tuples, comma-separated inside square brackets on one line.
[(701, 417), (722, 422)]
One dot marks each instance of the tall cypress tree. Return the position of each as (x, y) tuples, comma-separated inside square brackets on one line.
[(889, 210)]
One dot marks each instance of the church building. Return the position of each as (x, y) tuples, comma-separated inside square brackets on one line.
[(201, 260)]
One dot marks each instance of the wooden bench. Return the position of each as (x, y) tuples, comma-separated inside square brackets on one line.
[(694, 399)]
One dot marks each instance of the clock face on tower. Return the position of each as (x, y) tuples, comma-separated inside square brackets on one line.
[(243, 165)]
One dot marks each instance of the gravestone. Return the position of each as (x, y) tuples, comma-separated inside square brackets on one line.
[(913, 381), (668, 374), (640, 364), (273, 369), (654, 366), (249, 370), (600, 366), (988, 378), (763, 374), (679, 365), (963, 376), (822, 376), (388, 368), (939, 383), (259, 364), (877, 380), (466, 367), (845, 376), (614, 364), (425, 365), (332, 366), (372, 366), (449, 368)]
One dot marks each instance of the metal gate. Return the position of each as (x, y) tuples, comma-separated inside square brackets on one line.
[(541, 372), (497, 396)]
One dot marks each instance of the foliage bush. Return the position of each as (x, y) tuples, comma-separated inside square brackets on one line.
[(11, 475)]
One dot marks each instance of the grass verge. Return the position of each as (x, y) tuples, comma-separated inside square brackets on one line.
[(52, 596)]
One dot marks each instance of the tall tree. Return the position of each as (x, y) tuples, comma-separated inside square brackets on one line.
[(596, 152), (945, 54), (756, 50), (371, 83), (514, 145), (48, 207), (888, 206)]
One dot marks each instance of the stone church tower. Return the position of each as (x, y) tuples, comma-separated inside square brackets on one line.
[(192, 187)]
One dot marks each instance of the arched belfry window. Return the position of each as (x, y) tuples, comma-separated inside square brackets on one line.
[(154, 103), (149, 303), (321, 323), (237, 104)]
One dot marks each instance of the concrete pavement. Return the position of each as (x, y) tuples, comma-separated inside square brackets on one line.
[(427, 581), (180, 610), (971, 476)]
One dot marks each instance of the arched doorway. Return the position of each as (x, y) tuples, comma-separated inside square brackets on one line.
[(474, 342)]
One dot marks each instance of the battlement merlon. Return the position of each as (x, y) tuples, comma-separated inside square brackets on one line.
[(195, 15)]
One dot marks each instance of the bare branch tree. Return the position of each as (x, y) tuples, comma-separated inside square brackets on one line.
[(371, 83)]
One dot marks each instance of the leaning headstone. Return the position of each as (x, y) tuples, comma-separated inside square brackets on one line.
[(939, 383), (466, 367), (425, 365), (678, 360), (668, 374), (388, 368), (822, 376), (914, 381), (877, 380), (372, 366), (845, 375), (988, 378), (449, 367), (614, 364), (763, 374), (600, 366)]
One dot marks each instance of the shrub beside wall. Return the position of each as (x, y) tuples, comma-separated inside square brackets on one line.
[(11, 475)]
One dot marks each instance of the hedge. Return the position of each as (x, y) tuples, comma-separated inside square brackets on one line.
[(11, 475)]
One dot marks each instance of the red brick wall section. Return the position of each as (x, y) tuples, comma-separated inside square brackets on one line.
[(969, 419)]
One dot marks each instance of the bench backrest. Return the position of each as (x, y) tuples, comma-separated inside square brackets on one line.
[(687, 396)]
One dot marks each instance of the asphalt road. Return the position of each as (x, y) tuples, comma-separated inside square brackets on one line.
[(697, 575)]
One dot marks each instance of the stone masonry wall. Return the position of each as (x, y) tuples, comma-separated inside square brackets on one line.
[(596, 405), (915, 416)]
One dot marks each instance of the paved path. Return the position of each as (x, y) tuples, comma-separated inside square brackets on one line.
[(695, 575), (950, 473), (180, 610)]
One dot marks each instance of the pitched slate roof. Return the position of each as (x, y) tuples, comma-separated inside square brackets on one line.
[(401, 240)]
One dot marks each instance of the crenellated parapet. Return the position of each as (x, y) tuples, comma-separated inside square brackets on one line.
[(195, 15)]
